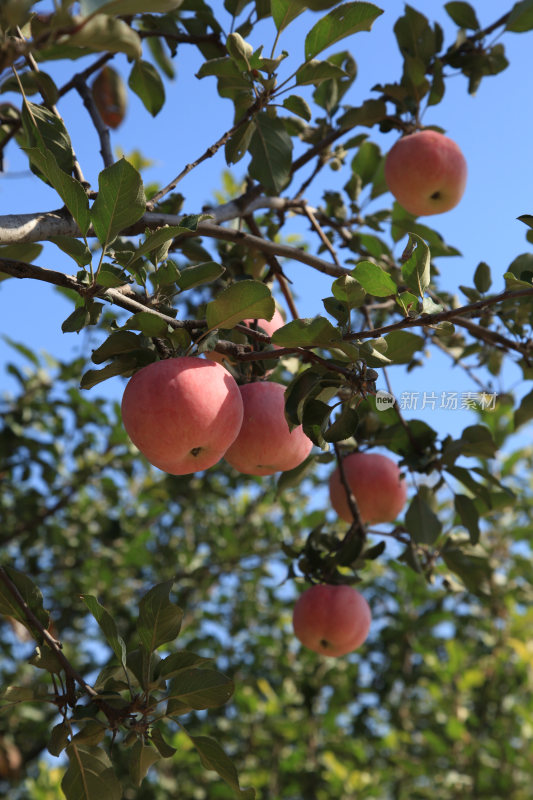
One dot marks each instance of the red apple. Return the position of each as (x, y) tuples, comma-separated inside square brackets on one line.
[(269, 326), (426, 172), (182, 413), (375, 482), (332, 620), (265, 444)]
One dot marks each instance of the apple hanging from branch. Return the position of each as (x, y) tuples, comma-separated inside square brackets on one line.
[(426, 172), (182, 413), (331, 620), (376, 484)]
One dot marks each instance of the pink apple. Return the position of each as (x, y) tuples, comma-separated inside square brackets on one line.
[(182, 413), (375, 482), (265, 444), (426, 172), (331, 620), (268, 326)]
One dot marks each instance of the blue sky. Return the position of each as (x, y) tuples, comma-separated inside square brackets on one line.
[(492, 128)]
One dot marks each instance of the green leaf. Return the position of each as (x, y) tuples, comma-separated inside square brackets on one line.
[(407, 301), (344, 425), (338, 309), (59, 737), (178, 662), (23, 350), (366, 162), (108, 627), (150, 324), (402, 345), (521, 17), (165, 750), (476, 440), (343, 21), (482, 277), (467, 511), (298, 106), (315, 420), (89, 775), (527, 219), (68, 188), (348, 290), (525, 410), (463, 15), (73, 247), (374, 279), (284, 11), (271, 151), (420, 520), (159, 619), (430, 307), (13, 695), (25, 251), (45, 658), (200, 688), (292, 477), (198, 274), (155, 240), (120, 201), (128, 6), (315, 72), (141, 757), (92, 733), (369, 114), (470, 564), (316, 331), (214, 758), (30, 594), (242, 300), (118, 342), (416, 270), (47, 133), (107, 34), (124, 365), (110, 277), (237, 146), (79, 318), (146, 82)]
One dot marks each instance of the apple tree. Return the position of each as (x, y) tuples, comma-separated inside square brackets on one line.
[(147, 642)]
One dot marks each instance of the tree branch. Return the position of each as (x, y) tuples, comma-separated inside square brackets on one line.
[(19, 228)]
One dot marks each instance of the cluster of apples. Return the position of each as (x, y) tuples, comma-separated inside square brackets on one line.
[(185, 414)]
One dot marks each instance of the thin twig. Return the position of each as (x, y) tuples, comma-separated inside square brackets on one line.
[(85, 74), (101, 129), (210, 152), (318, 229), (52, 643), (275, 266)]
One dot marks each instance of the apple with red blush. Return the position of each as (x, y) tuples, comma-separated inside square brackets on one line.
[(426, 172), (331, 620)]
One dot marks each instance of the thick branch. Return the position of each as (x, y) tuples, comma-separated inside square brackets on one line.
[(18, 228)]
